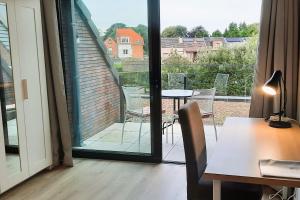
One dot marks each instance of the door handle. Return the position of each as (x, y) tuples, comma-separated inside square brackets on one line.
[(24, 88)]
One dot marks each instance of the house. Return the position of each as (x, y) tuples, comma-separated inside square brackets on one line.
[(127, 44), (234, 41), (112, 47), (186, 47), (214, 42)]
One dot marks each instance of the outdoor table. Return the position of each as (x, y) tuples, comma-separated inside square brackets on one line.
[(176, 94)]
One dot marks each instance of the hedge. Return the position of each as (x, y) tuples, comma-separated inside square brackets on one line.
[(199, 77)]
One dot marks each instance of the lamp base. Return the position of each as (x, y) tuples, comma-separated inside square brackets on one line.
[(280, 124)]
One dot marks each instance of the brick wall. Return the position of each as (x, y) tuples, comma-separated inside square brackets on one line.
[(99, 92)]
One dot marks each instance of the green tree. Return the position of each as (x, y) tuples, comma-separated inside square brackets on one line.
[(239, 55), (241, 30), (111, 31), (143, 31), (174, 31), (232, 30), (217, 33), (177, 62), (198, 32)]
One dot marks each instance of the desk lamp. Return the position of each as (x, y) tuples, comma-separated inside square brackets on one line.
[(273, 87)]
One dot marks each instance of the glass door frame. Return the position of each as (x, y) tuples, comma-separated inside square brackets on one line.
[(155, 90)]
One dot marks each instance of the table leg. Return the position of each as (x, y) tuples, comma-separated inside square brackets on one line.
[(185, 100), (178, 104), (216, 190)]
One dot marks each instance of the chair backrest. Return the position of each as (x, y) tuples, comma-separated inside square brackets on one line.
[(176, 81), (194, 142), (205, 99), (133, 98), (220, 84)]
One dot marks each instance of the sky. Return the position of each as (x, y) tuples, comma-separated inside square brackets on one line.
[(212, 14)]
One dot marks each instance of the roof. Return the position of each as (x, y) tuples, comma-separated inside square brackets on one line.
[(109, 40), (233, 40), (129, 32), (194, 43)]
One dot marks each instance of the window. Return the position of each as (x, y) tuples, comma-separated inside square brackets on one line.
[(125, 40), (125, 51)]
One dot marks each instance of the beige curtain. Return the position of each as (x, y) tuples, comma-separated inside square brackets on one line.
[(278, 50), (60, 128)]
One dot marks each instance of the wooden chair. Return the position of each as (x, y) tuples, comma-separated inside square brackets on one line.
[(196, 160)]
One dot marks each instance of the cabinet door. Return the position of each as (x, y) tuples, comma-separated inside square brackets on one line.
[(31, 58), (13, 150)]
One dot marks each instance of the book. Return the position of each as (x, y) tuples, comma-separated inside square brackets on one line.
[(280, 168)]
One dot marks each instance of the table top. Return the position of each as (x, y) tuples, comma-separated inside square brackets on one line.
[(176, 93), (245, 141)]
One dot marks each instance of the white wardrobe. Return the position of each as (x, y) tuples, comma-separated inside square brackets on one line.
[(24, 120)]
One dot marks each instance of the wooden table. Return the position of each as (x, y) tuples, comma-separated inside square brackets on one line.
[(242, 143)]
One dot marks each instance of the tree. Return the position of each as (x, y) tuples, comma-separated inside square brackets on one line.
[(143, 31), (240, 55), (174, 31), (232, 31), (241, 30), (217, 33), (198, 32), (111, 31), (176, 61)]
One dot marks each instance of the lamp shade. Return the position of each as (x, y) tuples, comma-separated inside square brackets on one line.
[(272, 86)]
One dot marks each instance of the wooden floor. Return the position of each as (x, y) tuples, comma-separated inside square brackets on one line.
[(105, 180)]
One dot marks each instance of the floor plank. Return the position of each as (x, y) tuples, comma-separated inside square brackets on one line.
[(99, 179)]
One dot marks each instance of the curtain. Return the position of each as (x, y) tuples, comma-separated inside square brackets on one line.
[(278, 50), (59, 121)]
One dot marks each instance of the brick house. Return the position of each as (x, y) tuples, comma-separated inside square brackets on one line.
[(112, 47), (186, 47), (127, 44)]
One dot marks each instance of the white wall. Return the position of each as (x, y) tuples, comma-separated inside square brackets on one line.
[(121, 47)]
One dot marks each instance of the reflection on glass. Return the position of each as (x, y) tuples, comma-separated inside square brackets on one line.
[(7, 97), (114, 115)]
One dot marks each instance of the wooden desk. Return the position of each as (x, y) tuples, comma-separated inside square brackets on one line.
[(242, 143)]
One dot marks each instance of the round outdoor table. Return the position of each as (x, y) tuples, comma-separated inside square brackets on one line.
[(176, 94)]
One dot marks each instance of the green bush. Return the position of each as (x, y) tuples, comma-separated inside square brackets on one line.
[(202, 77), (198, 77)]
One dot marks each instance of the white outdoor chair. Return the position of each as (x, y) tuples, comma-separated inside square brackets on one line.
[(205, 99), (221, 83), (135, 106)]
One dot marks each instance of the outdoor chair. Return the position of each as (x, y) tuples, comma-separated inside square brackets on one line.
[(168, 121), (205, 99), (177, 81), (196, 161), (136, 107), (221, 83)]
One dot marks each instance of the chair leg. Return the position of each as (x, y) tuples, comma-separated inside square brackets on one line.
[(167, 134), (124, 122), (140, 132), (216, 133), (172, 134)]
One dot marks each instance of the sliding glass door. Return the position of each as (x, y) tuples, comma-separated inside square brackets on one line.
[(112, 75)]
